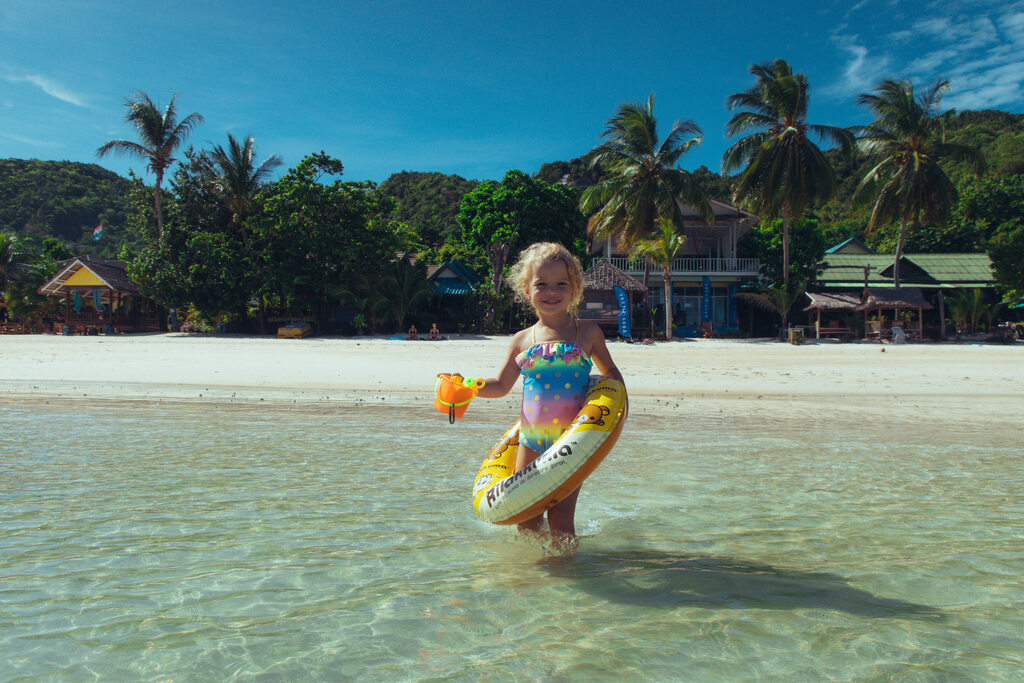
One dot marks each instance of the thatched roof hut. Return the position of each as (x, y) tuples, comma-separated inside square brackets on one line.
[(603, 276), (899, 300), (832, 302), (98, 294), (892, 297), (599, 301), (89, 271)]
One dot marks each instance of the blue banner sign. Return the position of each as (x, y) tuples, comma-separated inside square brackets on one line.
[(705, 308), (625, 328)]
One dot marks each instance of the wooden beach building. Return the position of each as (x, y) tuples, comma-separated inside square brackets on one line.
[(99, 297), (837, 314), (705, 277), (599, 301), (851, 268)]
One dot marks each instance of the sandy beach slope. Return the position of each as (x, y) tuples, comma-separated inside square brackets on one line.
[(981, 378)]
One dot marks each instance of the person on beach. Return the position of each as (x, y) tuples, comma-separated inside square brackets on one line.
[(554, 356)]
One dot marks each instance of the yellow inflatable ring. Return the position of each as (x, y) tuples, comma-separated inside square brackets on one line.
[(503, 496)]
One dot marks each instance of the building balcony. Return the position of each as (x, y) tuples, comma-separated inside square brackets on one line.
[(695, 266)]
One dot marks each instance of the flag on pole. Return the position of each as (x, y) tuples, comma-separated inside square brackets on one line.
[(97, 232)]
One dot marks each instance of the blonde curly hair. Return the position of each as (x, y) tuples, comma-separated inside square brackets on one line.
[(532, 258)]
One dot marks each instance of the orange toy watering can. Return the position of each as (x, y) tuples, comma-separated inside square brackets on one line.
[(454, 392)]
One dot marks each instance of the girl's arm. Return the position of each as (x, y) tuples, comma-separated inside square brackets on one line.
[(496, 387), (598, 351), (594, 340)]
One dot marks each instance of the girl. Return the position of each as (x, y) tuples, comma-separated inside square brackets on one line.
[(554, 357)]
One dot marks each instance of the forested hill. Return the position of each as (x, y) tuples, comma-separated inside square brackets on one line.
[(68, 199), (428, 202), (999, 136), (64, 199)]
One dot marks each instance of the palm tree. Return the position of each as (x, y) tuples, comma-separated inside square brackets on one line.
[(405, 286), (784, 171), (907, 139), (240, 178), (642, 182), (778, 300), (160, 134), (663, 251), (11, 259)]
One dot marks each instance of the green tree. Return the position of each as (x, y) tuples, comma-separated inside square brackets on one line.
[(160, 134), (498, 219), (200, 261), (405, 287), (807, 245), (365, 297), (241, 179), (784, 172), (11, 259), (1006, 249), (642, 181), (662, 251), (907, 144), (778, 300), (311, 236)]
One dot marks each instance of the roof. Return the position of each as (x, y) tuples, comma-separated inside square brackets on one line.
[(451, 285), (832, 301), (453, 277), (851, 246), (111, 274), (603, 276), (892, 297), (931, 271), (722, 210)]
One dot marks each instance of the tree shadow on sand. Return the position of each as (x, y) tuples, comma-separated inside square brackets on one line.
[(660, 579)]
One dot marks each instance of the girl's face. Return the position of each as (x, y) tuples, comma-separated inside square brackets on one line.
[(550, 289)]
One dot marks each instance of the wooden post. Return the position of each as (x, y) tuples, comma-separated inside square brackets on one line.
[(942, 316), (817, 326)]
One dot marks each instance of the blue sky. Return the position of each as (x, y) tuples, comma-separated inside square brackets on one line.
[(473, 88)]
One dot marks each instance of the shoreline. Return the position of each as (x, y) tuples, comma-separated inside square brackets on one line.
[(982, 378)]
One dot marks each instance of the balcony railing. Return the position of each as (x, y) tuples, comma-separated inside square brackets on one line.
[(691, 265)]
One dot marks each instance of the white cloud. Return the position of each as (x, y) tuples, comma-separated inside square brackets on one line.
[(930, 62), (1012, 24), (862, 70), (977, 45), (48, 86), (28, 141)]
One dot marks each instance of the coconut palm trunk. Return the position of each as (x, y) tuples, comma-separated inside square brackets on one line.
[(668, 305), (899, 252), (785, 243)]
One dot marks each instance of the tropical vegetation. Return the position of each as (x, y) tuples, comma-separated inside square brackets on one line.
[(783, 172), (641, 179), (160, 135), (223, 239), (907, 142), (662, 251)]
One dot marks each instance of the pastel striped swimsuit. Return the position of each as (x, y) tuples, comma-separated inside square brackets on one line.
[(555, 380)]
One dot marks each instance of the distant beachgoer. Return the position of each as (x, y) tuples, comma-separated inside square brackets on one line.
[(554, 357), (413, 333), (435, 334)]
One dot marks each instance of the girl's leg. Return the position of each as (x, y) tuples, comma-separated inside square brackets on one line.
[(562, 517), (523, 458)]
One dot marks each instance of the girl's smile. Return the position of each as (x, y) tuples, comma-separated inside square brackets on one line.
[(550, 288)]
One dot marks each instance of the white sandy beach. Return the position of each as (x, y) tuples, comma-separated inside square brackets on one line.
[(984, 379)]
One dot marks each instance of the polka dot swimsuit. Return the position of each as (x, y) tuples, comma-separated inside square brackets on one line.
[(555, 380)]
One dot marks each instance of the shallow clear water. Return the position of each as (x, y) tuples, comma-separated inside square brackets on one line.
[(737, 541)]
